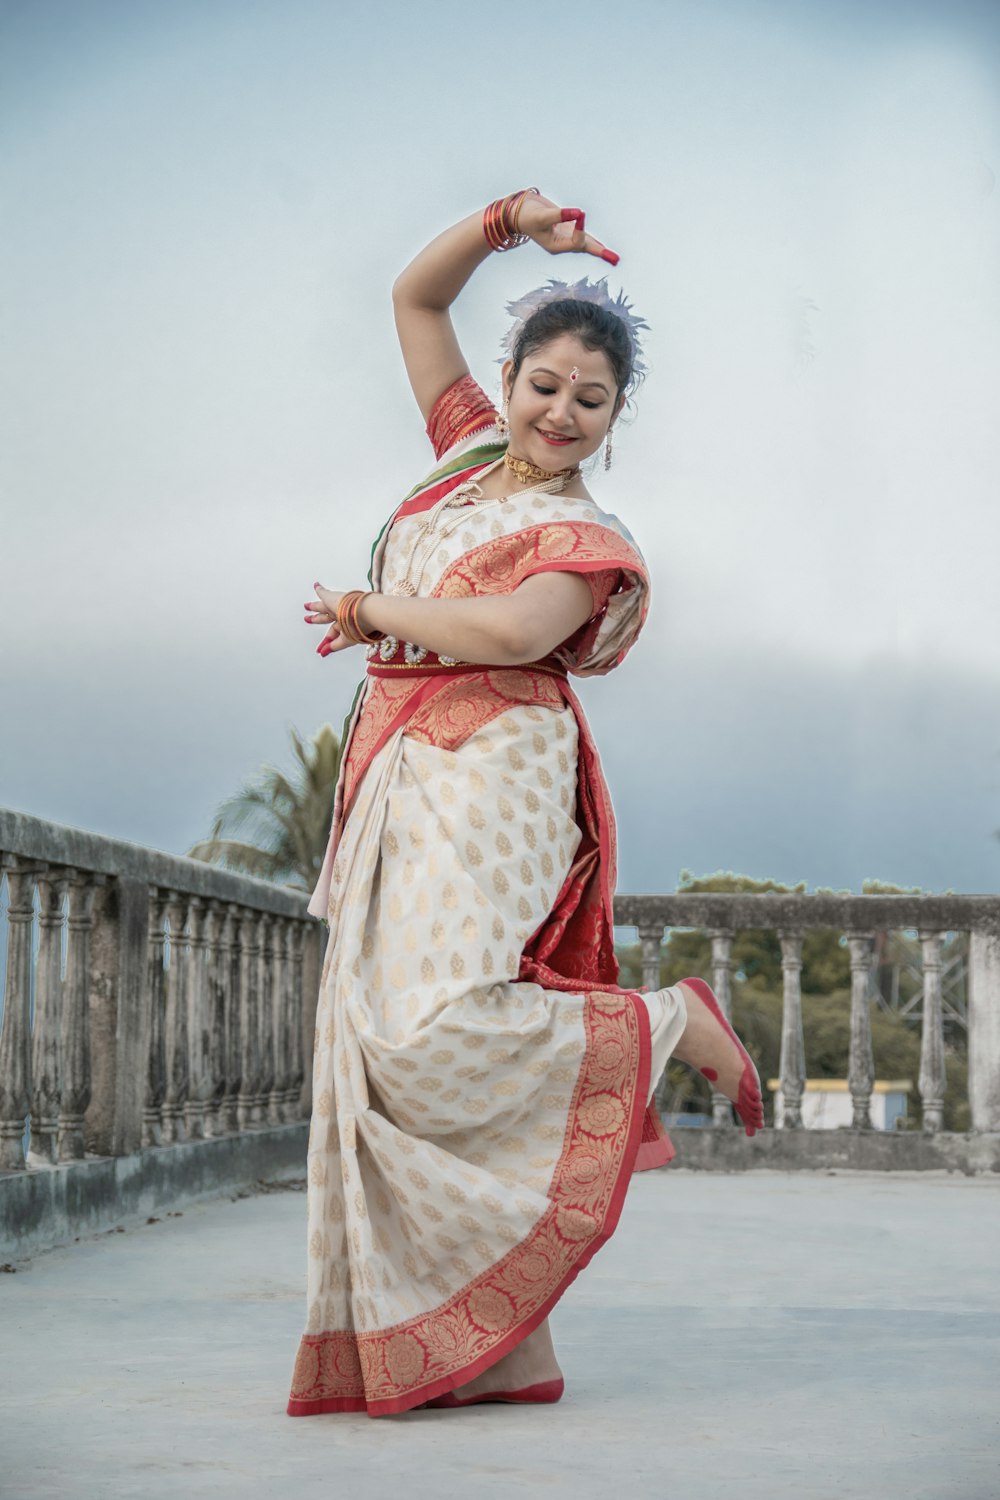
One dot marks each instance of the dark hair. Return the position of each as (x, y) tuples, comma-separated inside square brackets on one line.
[(594, 326)]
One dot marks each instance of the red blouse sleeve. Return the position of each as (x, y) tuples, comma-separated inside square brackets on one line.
[(602, 585), (462, 410)]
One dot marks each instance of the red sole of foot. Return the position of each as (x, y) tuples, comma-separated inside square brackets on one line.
[(749, 1104), (546, 1391)]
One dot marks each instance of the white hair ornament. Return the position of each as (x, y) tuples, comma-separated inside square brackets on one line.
[(583, 290)]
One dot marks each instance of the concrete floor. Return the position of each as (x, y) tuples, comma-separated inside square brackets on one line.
[(753, 1335)]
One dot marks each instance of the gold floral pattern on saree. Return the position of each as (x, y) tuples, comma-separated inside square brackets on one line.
[(499, 565), (465, 705), (386, 700), (445, 712), (393, 1369)]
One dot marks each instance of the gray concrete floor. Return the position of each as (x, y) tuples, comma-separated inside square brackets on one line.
[(752, 1335)]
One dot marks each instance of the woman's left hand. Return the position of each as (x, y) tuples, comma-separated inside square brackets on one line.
[(558, 230), (323, 611)]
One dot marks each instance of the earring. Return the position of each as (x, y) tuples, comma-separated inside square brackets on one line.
[(503, 426), (607, 451)]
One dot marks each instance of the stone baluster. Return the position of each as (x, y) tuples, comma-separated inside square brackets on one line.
[(75, 1038), (249, 1034), (651, 939), (196, 994), (722, 964), (792, 1068), (289, 1015), (265, 1019), (45, 1041), (15, 1035), (156, 992), (296, 939), (216, 975), (984, 1026), (233, 1003), (279, 1022), (933, 1078), (175, 1040), (861, 1067)]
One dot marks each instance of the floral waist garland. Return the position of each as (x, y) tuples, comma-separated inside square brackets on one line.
[(390, 656)]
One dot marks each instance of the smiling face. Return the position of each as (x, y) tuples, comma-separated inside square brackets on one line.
[(561, 403)]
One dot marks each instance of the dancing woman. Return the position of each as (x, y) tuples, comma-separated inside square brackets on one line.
[(482, 1087)]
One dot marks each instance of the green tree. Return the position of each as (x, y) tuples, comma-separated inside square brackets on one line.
[(826, 1001), (277, 826)]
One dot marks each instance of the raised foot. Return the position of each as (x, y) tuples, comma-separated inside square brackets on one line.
[(710, 1044)]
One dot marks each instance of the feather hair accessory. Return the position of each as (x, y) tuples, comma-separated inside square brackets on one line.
[(583, 290)]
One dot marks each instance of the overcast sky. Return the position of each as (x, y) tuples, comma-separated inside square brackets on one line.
[(204, 409)]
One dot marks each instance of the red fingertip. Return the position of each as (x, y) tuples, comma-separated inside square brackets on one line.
[(610, 256)]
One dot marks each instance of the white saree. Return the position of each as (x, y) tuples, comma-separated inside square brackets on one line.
[(474, 1123)]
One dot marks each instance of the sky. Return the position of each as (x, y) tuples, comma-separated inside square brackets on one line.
[(204, 407)]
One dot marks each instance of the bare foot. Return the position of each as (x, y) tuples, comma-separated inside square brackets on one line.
[(532, 1361), (711, 1047)]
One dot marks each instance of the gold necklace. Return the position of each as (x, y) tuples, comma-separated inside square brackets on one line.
[(525, 471)]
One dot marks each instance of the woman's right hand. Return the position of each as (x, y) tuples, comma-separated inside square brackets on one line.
[(558, 230)]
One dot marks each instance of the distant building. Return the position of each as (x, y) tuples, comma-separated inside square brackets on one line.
[(826, 1103)]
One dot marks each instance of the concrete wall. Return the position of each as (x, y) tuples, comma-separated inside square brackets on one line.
[(847, 1149), (50, 1206)]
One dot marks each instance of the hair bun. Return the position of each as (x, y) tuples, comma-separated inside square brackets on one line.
[(584, 290)]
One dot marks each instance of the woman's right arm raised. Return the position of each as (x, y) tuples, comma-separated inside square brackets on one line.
[(421, 297), (424, 291)]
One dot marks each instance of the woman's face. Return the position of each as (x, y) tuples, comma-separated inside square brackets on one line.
[(558, 418)]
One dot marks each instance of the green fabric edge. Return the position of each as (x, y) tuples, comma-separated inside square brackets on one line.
[(485, 453)]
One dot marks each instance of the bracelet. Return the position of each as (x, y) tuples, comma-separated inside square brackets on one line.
[(346, 616), (500, 221), (357, 627)]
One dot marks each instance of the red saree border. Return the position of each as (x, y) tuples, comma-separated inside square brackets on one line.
[(419, 503), (500, 564), (442, 710), (588, 1190), (656, 1148)]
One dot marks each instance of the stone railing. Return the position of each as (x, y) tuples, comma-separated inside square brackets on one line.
[(182, 1011), (172, 1004), (858, 918)]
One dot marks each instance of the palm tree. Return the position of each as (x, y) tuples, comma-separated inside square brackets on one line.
[(277, 826)]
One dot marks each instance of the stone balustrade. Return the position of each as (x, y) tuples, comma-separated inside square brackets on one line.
[(169, 1001), (858, 918)]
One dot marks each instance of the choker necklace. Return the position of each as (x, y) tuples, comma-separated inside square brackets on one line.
[(526, 471)]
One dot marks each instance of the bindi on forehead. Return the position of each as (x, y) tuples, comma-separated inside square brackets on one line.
[(574, 376)]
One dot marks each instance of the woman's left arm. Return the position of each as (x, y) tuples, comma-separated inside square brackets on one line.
[(498, 630)]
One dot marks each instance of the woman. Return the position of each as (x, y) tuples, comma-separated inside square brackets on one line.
[(482, 1085)]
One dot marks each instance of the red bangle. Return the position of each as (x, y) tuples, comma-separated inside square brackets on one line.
[(500, 221)]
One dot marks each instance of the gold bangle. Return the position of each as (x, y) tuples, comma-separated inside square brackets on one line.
[(347, 622), (371, 637)]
